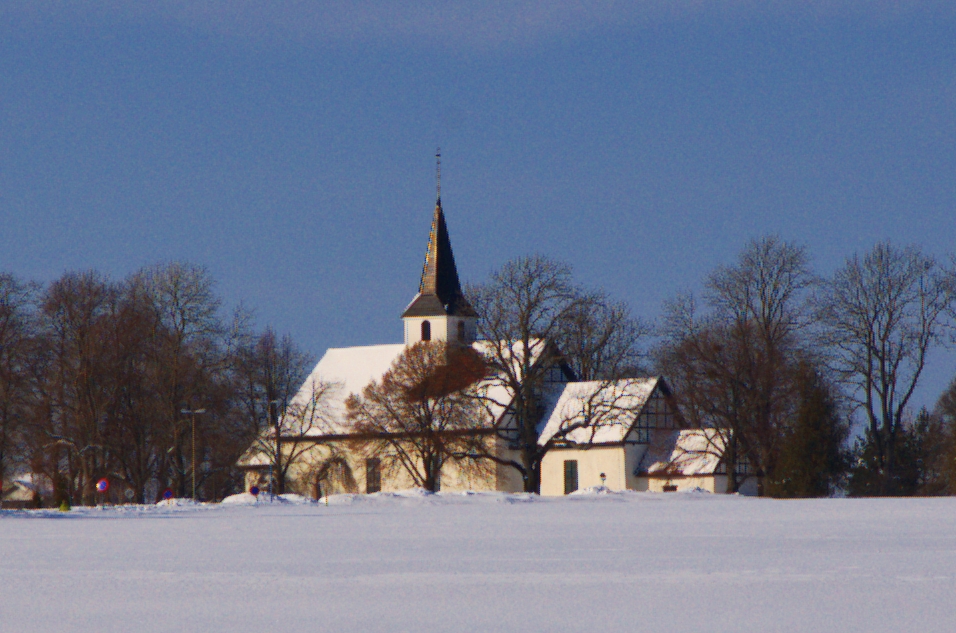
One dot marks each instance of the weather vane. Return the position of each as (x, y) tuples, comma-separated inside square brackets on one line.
[(438, 173)]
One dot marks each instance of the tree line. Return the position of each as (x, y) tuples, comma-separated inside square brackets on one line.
[(810, 379), (790, 361), (144, 381)]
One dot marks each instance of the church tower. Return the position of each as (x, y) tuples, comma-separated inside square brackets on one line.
[(439, 312)]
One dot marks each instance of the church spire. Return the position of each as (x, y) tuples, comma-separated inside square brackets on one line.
[(439, 292)]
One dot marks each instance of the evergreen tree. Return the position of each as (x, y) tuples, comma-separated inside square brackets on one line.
[(921, 461), (813, 457)]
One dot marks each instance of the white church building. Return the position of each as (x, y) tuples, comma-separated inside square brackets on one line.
[(622, 435)]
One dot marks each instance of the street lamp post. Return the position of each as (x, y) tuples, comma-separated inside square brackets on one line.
[(274, 466), (192, 413)]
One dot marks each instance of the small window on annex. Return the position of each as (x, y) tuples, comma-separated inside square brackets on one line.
[(461, 331), (570, 475), (373, 475), (426, 331)]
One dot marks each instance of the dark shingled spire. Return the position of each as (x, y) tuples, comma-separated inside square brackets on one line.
[(439, 293)]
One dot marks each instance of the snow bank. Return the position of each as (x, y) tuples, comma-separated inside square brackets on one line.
[(248, 499), (296, 499), (241, 499), (177, 503), (594, 490)]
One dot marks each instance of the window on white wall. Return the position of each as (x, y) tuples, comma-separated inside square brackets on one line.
[(373, 475), (426, 331), (570, 476), (435, 468)]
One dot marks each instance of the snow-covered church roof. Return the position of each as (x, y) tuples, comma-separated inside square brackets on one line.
[(345, 371)]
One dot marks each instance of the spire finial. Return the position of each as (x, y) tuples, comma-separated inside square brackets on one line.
[(438, 174)]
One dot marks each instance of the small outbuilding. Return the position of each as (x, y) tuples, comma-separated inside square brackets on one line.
[(25, 491), (626, 435)]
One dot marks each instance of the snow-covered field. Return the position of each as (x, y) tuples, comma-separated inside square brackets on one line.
[(616, 562)]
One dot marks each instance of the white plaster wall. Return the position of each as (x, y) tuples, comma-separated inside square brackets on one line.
[(507, 478), (413, 329), (443, 328), (633, 453), (591, 463), (711, 483), (685, 484), (252, 478), (455, 476)]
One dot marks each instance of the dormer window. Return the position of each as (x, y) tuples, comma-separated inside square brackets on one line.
[(426, 331)]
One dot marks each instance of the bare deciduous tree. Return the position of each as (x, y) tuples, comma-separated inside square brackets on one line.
[(732, 367), (419, 416), (883, 314), (523, 309), (601, 340), (945, 412), (704, 363), (16, 343), (95, 380), (188, 361), (75, 391), (133, 432), (540, 328), (269, 372), (292, 434)]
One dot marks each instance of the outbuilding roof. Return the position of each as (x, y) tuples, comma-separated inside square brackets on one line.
[(686, 452)]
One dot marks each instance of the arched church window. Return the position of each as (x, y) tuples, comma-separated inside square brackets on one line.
[(461, 330), (426, 331)]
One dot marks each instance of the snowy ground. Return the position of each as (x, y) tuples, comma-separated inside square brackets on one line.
[(618, 562)]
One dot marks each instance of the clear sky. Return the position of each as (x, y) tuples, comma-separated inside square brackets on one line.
[(290, 146)]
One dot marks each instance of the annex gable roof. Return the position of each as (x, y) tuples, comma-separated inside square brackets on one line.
[(596, 412)]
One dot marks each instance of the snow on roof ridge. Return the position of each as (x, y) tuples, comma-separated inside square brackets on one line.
[(330, 349), (350, 369), (414, 299), (612, 424)]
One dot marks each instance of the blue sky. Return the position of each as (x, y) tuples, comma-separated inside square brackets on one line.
[(289, 147)]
